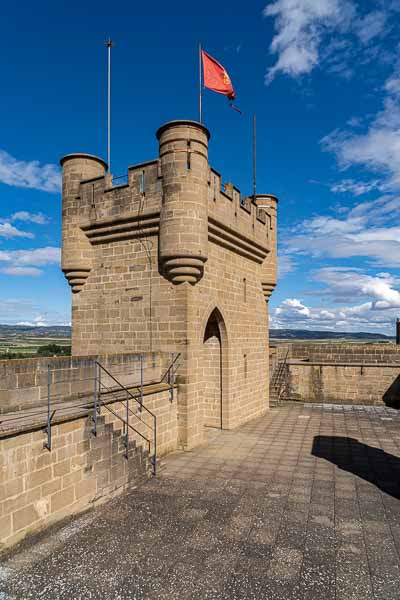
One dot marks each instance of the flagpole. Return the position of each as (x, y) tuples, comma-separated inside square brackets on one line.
[(200, 90), (254, 157), (109, 45)]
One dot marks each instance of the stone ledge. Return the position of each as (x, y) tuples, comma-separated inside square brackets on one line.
[(25, 421)]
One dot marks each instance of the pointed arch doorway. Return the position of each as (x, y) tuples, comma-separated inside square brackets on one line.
[(213, 358)]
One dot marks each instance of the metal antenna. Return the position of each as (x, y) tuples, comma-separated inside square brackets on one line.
[(200, 88), (254, 158), (109, 45)]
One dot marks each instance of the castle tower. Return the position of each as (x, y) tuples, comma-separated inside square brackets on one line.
[(172, 260), (183, 220)]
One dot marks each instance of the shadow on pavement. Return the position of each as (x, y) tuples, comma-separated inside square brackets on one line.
[(371, 464), (392, 395)]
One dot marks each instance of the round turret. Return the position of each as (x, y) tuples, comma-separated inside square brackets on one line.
[(269, 204), (76, 261), (184, 215)]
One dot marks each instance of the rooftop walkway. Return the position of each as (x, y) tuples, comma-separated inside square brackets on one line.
[(301, 504)]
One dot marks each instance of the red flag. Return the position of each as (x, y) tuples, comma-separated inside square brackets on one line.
[(215, 77)]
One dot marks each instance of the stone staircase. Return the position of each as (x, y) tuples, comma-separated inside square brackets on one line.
[(121, 466)]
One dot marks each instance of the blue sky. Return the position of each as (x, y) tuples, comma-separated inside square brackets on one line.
[(323, 77)]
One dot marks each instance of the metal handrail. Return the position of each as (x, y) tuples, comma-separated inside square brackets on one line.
[(171, 366), (124, 388), (280, 369), (127, 424), (50, 409), (113, 391), (170, 375), (98, 369)]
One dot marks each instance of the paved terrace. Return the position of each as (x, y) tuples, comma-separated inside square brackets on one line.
[(301, 504)]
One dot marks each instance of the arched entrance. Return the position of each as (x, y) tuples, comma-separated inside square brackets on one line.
[(212, 369)]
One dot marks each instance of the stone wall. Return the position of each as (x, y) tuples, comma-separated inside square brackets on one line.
[(346, 353), (343, 384), (24, 382), (367, 374), (39, 487)]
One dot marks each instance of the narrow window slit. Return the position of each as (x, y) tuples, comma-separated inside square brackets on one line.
[(143, 183), (188, 164)]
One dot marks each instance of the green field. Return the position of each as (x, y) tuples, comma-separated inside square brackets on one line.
[(28, 346)]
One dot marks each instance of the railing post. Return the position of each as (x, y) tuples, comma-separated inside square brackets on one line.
[(96, 397), (98, 388), (171, 379), (48, 428), (141, 382), (155, 446), (127, 426)]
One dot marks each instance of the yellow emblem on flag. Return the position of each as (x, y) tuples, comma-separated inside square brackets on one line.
[(227, 79)]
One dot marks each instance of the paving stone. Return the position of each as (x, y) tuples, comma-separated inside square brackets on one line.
[(279, 509)]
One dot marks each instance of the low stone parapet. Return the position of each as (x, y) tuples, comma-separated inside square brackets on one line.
[(343, 383), (25, 383), (39, 486)]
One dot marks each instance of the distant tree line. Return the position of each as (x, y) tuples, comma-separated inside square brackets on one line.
[(48, 350)]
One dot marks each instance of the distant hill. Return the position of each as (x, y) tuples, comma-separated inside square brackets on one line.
[(64, 331), (305, 334), (58, 331)]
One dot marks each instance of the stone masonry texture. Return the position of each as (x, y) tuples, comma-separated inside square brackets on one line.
[(361, 374), (300, 504), (39, 487), (151, 261)]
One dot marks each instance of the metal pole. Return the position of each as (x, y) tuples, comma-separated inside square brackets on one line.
[(141, 381), (398, 332), (98, 388), (127, 425), (171, 379), (96, 392), (48, 429), (254, 158), (200, 90), (109, 45), (155, 446)]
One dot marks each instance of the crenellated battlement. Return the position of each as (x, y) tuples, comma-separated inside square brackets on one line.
[(178, 197), (108, 212), (168, 257)]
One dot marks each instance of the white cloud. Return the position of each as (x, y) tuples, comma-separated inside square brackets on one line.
[(23, 311), (344, 284), (26, 262), (293, 313), (371, 26), (21, 271), (285, 265), (9, 231), (357, 188), (368, 230), (29, 174), (300, 26), (38, 321), (378, 149), (378, 308), (23, 215), (332, 33)]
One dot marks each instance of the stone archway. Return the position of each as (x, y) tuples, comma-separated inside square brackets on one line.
[(212, 369)]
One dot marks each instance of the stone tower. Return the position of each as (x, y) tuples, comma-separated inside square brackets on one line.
[(168, 260)]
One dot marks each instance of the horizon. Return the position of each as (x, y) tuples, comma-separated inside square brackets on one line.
[(324, 81), (271, 329)]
